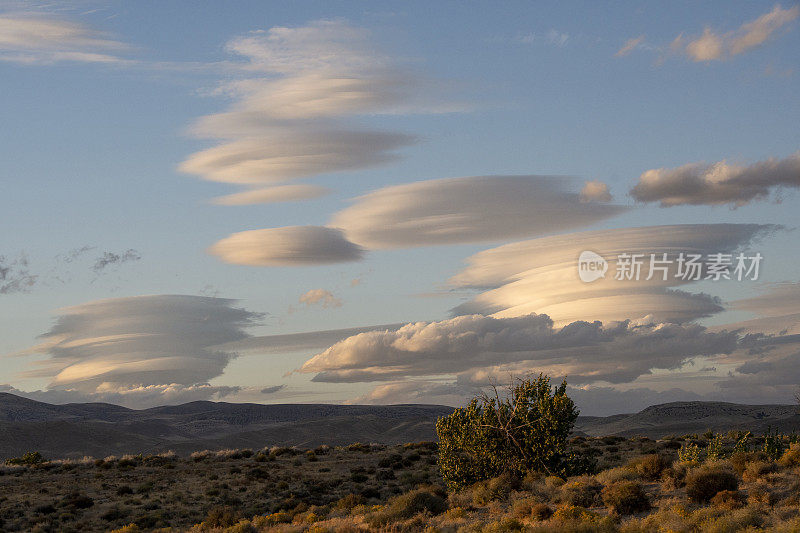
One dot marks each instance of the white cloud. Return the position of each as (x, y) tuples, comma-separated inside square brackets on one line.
[(713, 46), (470, 209), (586, 352), (717, 183), (143, 347), (30, 38), (269, 195), (321, 297), (288, 246), (541, 276)]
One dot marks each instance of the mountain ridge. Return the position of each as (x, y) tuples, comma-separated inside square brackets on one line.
[(101, 429)]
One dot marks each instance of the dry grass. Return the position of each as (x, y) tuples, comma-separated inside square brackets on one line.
[(363, 487)]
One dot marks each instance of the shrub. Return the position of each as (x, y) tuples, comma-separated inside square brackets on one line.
[(221, 517), (541, 511), (757, 470), (568, 513), (689, 453), (791, 457), (493, 489), (760, 494), (581, 492), (620, 473), (29, 458), (715, 450), (650, 466), (76, 500), (424, 499), (703, 483), (348, 502), (728, 499), (526, 431), (626, 497)]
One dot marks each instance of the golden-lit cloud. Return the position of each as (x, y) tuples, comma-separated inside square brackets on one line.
[(714, 46), (541, 275), (160, 347)]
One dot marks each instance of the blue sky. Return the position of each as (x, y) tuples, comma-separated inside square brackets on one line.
[(101, 103)]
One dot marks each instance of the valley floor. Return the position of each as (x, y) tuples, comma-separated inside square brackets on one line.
[(640, 485)]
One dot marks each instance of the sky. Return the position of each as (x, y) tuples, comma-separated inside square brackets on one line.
[(381, 202)]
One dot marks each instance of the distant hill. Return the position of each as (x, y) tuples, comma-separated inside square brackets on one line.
[(98, 429), (679, 418)]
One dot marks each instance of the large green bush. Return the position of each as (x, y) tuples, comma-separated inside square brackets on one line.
[(524, 430)]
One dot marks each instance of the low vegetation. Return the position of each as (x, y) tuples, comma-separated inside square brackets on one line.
[(690, 483)]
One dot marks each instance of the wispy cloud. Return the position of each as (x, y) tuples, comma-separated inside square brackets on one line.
[(35, 39), (713, 45), (109, 259), (270, 195), (630, 45), (552, 37), (15, 275)]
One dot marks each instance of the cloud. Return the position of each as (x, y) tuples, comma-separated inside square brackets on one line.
[(595, 191), (273, 389), (269, 195), (780, 299), (630, 45), (140, 397), (713, 46), (585, 351), (300, 342), (142, 346), (464, 210), (717, 183), (15, 275), (113, 259), (320, 297), (417, 391), (294, 104), (289, 246), (541, 275), (552, 37), (298, 152), (27, 38)]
